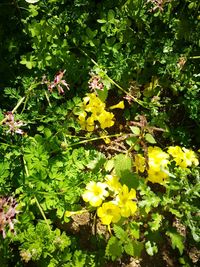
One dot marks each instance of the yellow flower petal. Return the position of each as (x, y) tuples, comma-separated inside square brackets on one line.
[(109, 212), (106, 119), (119, 105), (95, 193)]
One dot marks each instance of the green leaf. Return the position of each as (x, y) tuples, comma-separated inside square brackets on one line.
[(149, 138), (176, 239), (111, 14), (129, 249), (113, 248), (116, 47), (109, 165), (123, 169), (110, 41), (151, 248), (120, 233), (131, 140), (102, 94), (135, 229), (130, 179), (155, 224), (32, 1), (101, 20), (137, 247), (122, 164), (97, 163), (135, 130)]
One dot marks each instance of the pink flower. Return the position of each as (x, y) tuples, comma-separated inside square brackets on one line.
[(58, 81), (95, 83), (14, 126), (7, 214)]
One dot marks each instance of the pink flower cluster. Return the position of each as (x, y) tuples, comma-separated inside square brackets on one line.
[(58, 83), (7, 214), (14, 126)]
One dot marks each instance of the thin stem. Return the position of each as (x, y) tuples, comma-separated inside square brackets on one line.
[(36, 200), (94, 139), (48, 100), (113, 82), (21, 100), (194, 57), (42, 212)]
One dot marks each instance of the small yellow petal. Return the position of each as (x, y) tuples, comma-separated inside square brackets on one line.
[(119, 105)]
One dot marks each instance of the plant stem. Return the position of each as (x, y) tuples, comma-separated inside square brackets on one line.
[(36, 200), (42, 212), (113, 82), (194, 57), (21, 101), (93, 139)]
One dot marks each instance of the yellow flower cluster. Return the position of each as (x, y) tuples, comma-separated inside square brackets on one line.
[(94, 111), (158, 162), (158, 169), (123, 203), (183, 157)]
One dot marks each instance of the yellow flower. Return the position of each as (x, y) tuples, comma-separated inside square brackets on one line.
[(106, 119), (113, 183), (190, 157), (183, 157), (109, 212), (90, 124), (139, 163), (126, 201), (86, 124), (119, 105), (177, 153), (92, 103), (95, 193), (157, 158), (82, 121), (158, 161), (156, 176)]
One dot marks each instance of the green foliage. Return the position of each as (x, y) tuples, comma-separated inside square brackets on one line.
[(123, 242), (123, 169), (177, 240), (142, 52)]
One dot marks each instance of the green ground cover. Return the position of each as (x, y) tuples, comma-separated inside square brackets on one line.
[(99, 133)]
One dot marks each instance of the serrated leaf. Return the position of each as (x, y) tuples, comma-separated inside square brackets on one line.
[(137, 247), (135, 230), (130, 179), (113, 248), (156, 221), (175, 212), (149, 138), (177, 240), (135, 130), (129, 249), (120, 233)]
